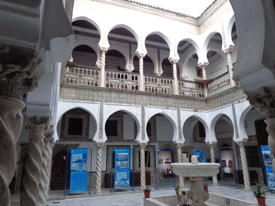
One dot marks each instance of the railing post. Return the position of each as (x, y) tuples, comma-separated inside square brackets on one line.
[(103, 51), (141, 75), (228, 51), (176, 84)]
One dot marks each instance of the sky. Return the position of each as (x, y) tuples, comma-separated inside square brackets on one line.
[(190, 7)]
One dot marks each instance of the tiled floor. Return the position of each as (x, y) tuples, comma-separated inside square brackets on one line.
[(130, 198)]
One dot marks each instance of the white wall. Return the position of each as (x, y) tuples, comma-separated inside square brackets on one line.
[(164, 129), (128, 127)]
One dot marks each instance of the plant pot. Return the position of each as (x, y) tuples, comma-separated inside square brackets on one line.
[(147, 194), (261, 200), (205, 188)]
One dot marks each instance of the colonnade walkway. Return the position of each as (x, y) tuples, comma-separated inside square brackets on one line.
[(130, 198)]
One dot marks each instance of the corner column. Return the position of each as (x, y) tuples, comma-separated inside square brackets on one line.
[(98, 167), (103, 51), (141, 75), (264, 100), (228, 53), (179, 158), (176, 84), (33, 163), (212, 156), (142, 166), (15, 80), (46, 169), (244, 166)]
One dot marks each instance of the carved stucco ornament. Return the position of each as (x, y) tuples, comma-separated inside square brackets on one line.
[(263, 100)]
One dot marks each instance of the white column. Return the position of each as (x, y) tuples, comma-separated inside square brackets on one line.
[(98, 168), (212, 156), (46, 169), (244, 166), (15, 79), (141, 75), (264, 100), (103, 51), (11, 121), (176, 84), (142, 166), (33, 163), (203, 68), (228, 52), (179, 157)]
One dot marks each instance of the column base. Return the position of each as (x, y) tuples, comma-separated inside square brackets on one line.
[(98, 193)]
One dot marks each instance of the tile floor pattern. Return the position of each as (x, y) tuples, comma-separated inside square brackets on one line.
[(130, 198)]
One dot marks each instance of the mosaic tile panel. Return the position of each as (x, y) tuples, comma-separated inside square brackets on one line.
[(106, 95)]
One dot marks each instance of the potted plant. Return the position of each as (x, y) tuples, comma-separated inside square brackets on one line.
[(205, 186), (259, 193), (182, 196), (147, 191)]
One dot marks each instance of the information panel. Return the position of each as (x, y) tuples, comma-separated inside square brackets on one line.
[(78, 167), (79, 159), (122, 168), (201, 157), (267, 160)]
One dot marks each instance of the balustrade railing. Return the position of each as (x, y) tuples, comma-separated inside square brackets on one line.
[(122, 80), (82, 76), (219, 84), (158, 84), (191, 89), (90, 76)]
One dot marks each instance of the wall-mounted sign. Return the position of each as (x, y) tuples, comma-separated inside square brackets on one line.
[(122, 168), (267, 161)]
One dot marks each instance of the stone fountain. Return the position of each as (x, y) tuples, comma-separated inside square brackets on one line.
[(196, 172)]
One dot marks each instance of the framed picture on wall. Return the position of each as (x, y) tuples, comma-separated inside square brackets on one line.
[(199, 72), (230, 162)]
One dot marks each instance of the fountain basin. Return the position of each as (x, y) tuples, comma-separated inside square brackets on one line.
[(196, 170)]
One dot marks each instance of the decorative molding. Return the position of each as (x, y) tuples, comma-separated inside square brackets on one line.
[(128, 97), (263, 99), (18, 78)]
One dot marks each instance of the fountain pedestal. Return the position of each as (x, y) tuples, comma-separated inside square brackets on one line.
[(197, 193), (196, 172)]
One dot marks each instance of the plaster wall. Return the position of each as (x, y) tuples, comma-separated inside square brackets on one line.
[(90, 107), (134, 111), (170, 114), (128, 127), (164, 129)]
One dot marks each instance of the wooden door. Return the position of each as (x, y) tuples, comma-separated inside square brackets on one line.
[(59, 171)]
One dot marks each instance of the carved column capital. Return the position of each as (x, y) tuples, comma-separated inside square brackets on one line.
[(240, 143), (20, 77), (203, 64), (211, 144), (228, 49), (140, 55), (100, 144), (37, 126), (173, 61), (103, 49), (263, 100), (143, 145), (179, 145)]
